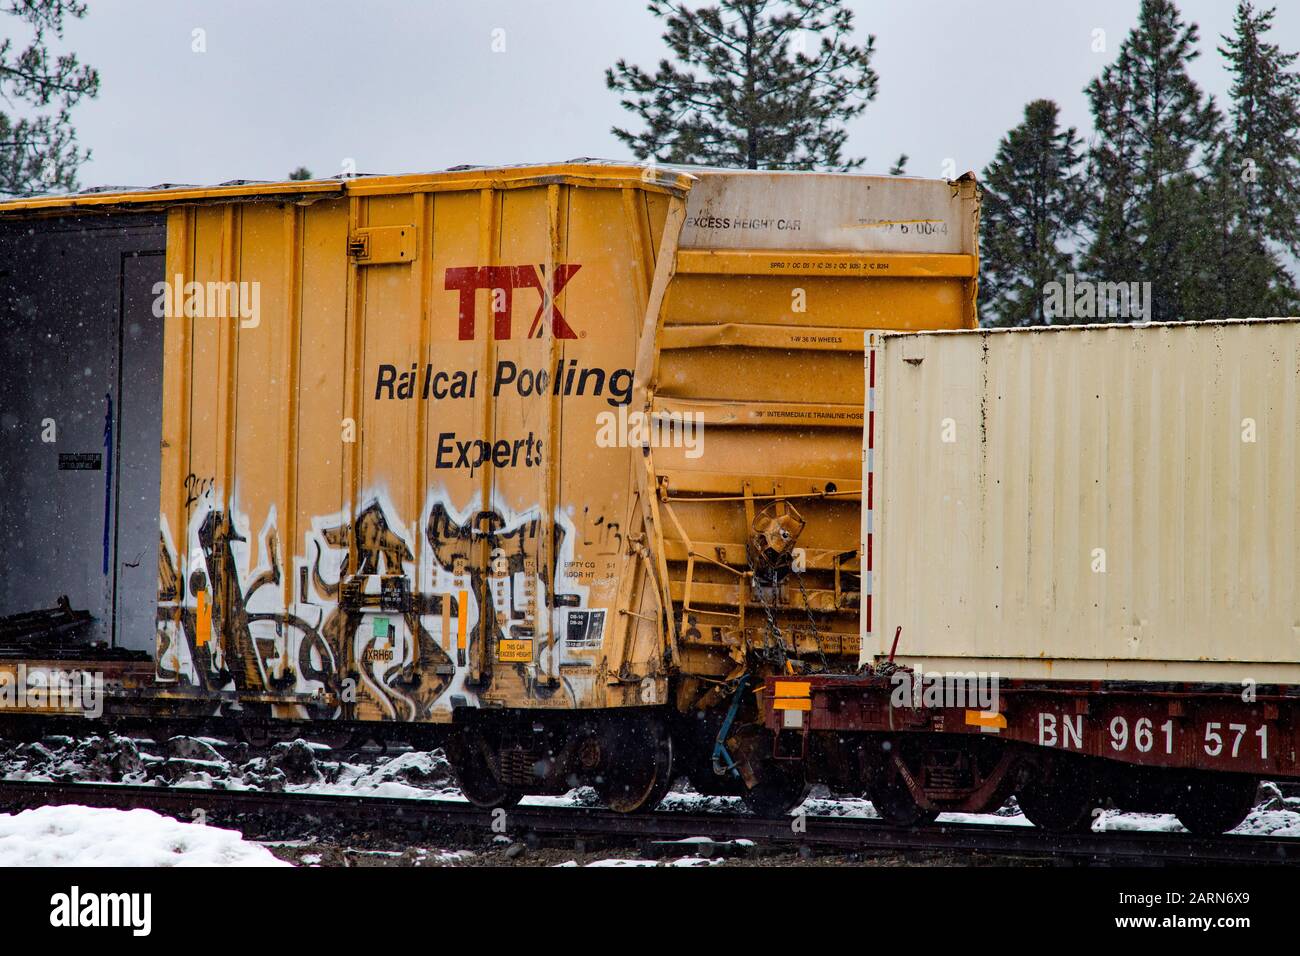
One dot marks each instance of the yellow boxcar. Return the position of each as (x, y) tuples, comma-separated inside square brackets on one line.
[(569, 437)]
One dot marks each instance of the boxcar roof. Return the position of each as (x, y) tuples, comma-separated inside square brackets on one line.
[(590, 172)]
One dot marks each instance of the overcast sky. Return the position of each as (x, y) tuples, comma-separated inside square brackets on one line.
[(411, 85)]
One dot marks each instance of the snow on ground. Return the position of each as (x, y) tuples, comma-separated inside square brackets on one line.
[(1275, 816), (412, 775), (622, 863), (1274, 823), (617, 862), (208, 763), (92, 836), (312, 768)]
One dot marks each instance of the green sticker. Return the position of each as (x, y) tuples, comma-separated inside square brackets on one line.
[(379, 627)]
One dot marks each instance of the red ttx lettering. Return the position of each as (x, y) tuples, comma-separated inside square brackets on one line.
[(468, 280)]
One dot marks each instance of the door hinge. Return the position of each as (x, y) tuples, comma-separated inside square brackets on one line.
[(384, 245)]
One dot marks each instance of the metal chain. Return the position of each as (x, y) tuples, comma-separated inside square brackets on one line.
[(812, 622), (773, 628)]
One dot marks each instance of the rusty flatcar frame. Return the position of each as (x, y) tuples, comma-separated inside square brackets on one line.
[(1172, 726)]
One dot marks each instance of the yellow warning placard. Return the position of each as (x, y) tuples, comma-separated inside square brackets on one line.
[(515, 651)]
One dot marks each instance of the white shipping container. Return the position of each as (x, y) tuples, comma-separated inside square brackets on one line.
[(1086, 502)]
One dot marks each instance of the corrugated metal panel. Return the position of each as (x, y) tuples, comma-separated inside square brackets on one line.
[(1107, 502), (329, 513), (321, 526), (761, 335)]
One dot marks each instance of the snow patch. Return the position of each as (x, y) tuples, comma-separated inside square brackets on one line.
[(94, 836)]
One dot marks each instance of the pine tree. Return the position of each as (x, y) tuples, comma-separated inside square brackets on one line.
[(1248, 205), (1033, 204), (38, 150), (1264, 128), (1153, 132), (1237, 273), (745, 90)]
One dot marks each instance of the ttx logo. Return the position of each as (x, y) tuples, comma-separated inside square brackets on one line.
[(501, 282)]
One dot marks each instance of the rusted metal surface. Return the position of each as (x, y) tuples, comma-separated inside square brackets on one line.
[(1160, 725)]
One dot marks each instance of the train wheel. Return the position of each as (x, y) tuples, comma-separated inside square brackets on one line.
[(1060, 797), (467, 752), (707, 782), (893, 800), (777, 791), (1210, 807), (639, 776), (778, 785)]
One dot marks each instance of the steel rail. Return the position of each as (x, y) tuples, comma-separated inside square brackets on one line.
[(845, 834)]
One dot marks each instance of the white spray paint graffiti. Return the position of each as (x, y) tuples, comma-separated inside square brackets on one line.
[(386, 635)]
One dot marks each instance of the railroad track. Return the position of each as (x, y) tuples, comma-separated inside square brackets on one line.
[(244, 809)]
